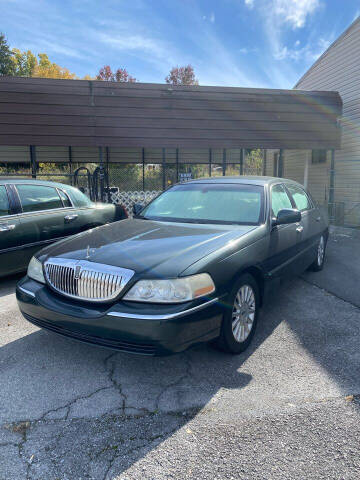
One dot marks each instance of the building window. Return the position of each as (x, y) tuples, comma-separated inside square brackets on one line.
[(318, 156)]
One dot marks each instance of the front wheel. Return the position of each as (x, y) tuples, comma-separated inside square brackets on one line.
[(318, 263), (240, 319)]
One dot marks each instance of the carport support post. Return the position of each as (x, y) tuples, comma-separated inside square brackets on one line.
[(33, 160), (264, 162), (332, 188), (224, 162), (306, 171), (210, 160), (241, 161), (143, 168), (281, 163), (163, 169)]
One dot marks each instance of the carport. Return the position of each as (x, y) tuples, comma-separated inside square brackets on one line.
[(126, 128)]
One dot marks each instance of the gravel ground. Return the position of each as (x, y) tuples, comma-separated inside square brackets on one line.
[(288, 408)]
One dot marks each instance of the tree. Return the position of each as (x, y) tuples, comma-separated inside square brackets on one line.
[(121, 75), (48, 69), (6, 65), (182, 76), (24, 63)]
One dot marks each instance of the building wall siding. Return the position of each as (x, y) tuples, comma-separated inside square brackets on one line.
[(339, 69)]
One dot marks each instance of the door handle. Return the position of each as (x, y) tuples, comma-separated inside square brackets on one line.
[(299, 228), (70, 218), (6, 227)]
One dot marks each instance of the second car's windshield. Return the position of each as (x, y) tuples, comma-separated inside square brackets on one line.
[(211, 203)]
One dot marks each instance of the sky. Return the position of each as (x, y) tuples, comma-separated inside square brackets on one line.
[(243, 43)]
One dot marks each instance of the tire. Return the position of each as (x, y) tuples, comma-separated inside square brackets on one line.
[(235, 335), (319, 261)]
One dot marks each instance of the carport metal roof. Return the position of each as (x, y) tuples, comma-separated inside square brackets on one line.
[(36, 111)]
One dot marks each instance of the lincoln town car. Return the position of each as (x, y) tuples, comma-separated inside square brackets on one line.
[(195, 265)]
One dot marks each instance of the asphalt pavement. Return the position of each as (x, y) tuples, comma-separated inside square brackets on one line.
[(288, 408)]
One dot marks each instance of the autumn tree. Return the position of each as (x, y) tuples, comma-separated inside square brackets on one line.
[(24, 63), (48, 69), (121, 75), (182, 76), (6, 65)]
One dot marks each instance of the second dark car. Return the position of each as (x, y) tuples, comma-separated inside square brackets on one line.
[(34, 213), (195, 265)]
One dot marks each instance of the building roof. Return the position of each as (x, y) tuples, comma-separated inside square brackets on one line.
[(47, 112)]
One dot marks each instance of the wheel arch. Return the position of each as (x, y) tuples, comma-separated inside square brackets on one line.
[(258, 276)]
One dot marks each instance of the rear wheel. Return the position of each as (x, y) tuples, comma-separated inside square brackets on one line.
[(318, 263), (240, 319)]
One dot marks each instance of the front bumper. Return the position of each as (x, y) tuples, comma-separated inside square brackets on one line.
[(141, 328)]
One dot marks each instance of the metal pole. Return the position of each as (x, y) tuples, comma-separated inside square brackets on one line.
[(177, 165), (332, 188), (107, 150), (281, 163), (33, 160), (143, 169), (70, 165), (241, 161), (224, 162), (210, 160), (306, 171), (163, 169), (264, 161)]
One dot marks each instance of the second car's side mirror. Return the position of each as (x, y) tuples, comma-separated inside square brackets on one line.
[(137, 208), (287, 215)]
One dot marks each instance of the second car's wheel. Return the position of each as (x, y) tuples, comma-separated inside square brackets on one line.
[(318, 263), (240, 319)]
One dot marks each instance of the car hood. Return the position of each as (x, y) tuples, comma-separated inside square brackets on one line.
[(156, 248)]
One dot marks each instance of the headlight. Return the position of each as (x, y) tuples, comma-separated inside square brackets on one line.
[(171, 291), (35, 270)]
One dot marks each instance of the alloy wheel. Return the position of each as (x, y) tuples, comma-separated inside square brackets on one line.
[(243, 314)]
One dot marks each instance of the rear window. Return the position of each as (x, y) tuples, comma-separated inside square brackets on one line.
[(35, 198), (4, 202)]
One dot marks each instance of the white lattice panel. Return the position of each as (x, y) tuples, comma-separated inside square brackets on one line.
[(128, 199)]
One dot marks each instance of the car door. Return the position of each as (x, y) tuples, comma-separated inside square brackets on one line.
[(11, 257), (282, 261), (42, 216), (309, 230)]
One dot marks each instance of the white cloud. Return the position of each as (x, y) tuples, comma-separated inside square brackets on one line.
[(249, 3), (294, 12)]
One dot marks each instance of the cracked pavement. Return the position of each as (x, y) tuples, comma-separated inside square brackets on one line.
[(286, 408)]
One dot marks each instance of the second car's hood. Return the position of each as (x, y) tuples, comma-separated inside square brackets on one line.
[(163, 248)]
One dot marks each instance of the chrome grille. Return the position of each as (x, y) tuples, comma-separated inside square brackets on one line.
[(86, 280)]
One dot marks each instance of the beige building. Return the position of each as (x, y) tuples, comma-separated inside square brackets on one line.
[(337, 69)]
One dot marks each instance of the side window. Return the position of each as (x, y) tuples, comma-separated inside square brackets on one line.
[(65, 199), (4, 202), (38, 197), (279, 199), (79, 198), (300, 197)]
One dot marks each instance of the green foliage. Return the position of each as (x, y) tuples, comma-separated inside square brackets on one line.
[(6, 65), (254, 159), (24, 63)]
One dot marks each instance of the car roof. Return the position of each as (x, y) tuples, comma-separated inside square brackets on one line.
[(244, 179), (22, 180)]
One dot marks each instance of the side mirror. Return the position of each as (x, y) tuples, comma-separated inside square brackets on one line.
[(287, 215), (137, 208)]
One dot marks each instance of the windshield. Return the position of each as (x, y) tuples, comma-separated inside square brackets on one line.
[(208, 203)]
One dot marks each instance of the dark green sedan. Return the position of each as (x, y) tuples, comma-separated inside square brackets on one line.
[(34, 213), (194, 265)]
